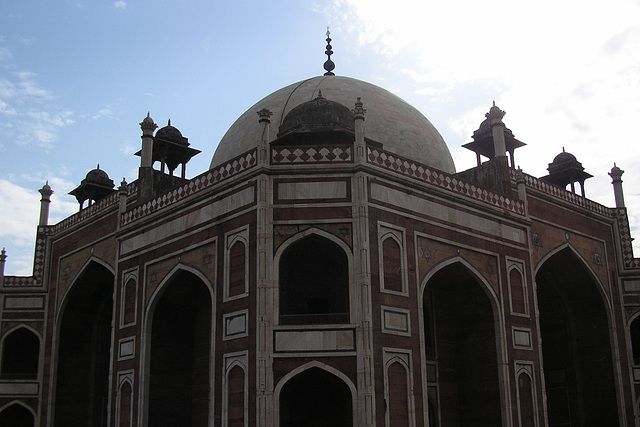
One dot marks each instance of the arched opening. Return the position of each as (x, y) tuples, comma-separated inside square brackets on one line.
[(20, 355), (398, 395), (125, 397), (392, 265), (16, 416), (315, 398), (525, 400), (84, 349), (634, 332), (130, 302), (460, 315), (236, 397), (576, 350), (179, 355), (237, 269), (518, 297), (314, 283)]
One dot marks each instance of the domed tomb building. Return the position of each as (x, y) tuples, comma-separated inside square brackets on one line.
[(330, 268)]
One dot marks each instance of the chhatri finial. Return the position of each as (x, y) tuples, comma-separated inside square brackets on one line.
[(328, 64)]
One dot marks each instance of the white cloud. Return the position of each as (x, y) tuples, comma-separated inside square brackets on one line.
[(565, 72), (120, 4)]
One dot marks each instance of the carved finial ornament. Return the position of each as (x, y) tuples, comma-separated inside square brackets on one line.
[(329, 65)]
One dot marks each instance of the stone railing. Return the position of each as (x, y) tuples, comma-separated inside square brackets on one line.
[(441, 179), (290, 155), (562, 194), (195, 185)]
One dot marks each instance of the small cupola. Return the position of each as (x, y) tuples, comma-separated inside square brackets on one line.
[(317, 119), (566, 169), (171, 149), (94, 187)]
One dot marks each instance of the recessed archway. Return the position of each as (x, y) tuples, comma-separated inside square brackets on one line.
[(20, 354), (316, 398), (576, 344), (179, 357), (459, 327), (84, 348)]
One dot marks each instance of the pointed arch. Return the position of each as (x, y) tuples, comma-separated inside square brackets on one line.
[(83, 338), (313, 280), (458, 304), (397, 392), (633, 334), (124, 408), (20, 350), (578, 337), (177, 347), (17, 414), (306, 368)]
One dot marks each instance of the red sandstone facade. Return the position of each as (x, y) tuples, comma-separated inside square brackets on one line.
[(322, 278)]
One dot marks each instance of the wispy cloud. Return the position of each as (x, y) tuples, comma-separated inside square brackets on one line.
[(120, 4)]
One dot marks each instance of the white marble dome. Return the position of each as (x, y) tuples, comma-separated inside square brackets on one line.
[(401, 128)]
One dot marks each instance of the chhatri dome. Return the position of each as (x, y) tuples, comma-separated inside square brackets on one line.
[(389, 120)]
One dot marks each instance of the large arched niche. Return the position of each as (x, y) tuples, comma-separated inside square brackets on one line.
[(178, 351), (313, 269), (462, 333), (574, 319), (315, 394), (84, 348)]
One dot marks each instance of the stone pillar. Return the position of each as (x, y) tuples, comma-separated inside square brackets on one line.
[(147, 126), (495, 116), (46, 193), (358, 123), (616, 176), (3, 259), (265, 124), (122, 194)]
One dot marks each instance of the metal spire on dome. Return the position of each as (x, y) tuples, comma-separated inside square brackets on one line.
[(328, 64)]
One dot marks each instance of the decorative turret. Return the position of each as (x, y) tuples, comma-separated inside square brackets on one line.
[(493, 138), (358, 123), (616, 177), (169, 147), (96, 186), (148, 126), (3, 259), (566, 169), (46, 193)]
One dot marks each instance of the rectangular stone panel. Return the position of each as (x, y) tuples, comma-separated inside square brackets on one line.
[(23, 303), (312, 190), (235, 325), (395, 321), (18, 388), (192, 219), (335, 340), (632, 286), (522, 338), (445, 213)]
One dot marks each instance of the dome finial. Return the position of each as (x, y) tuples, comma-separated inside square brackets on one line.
[(328, 64)]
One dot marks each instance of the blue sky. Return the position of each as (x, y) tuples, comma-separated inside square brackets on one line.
[(76, 78)]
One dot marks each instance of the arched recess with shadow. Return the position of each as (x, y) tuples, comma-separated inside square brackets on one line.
[(16, 414), (20, 354), (576, 343), (84, 348), (459, 313), (313, 277), (634, 334), (179, 340), (315, 395)]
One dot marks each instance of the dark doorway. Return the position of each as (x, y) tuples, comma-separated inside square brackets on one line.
[(315, 398), (576, 348), (20, 355), (459, 317), (84, 350), (314, 283), (179, 359), (16, 416)]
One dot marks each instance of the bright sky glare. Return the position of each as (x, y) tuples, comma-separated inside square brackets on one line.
[(77, 76)]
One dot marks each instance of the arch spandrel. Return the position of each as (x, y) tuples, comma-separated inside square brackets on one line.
[(343, 231), (71, 270), (202, 259), (431, 253), (547, 240)]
